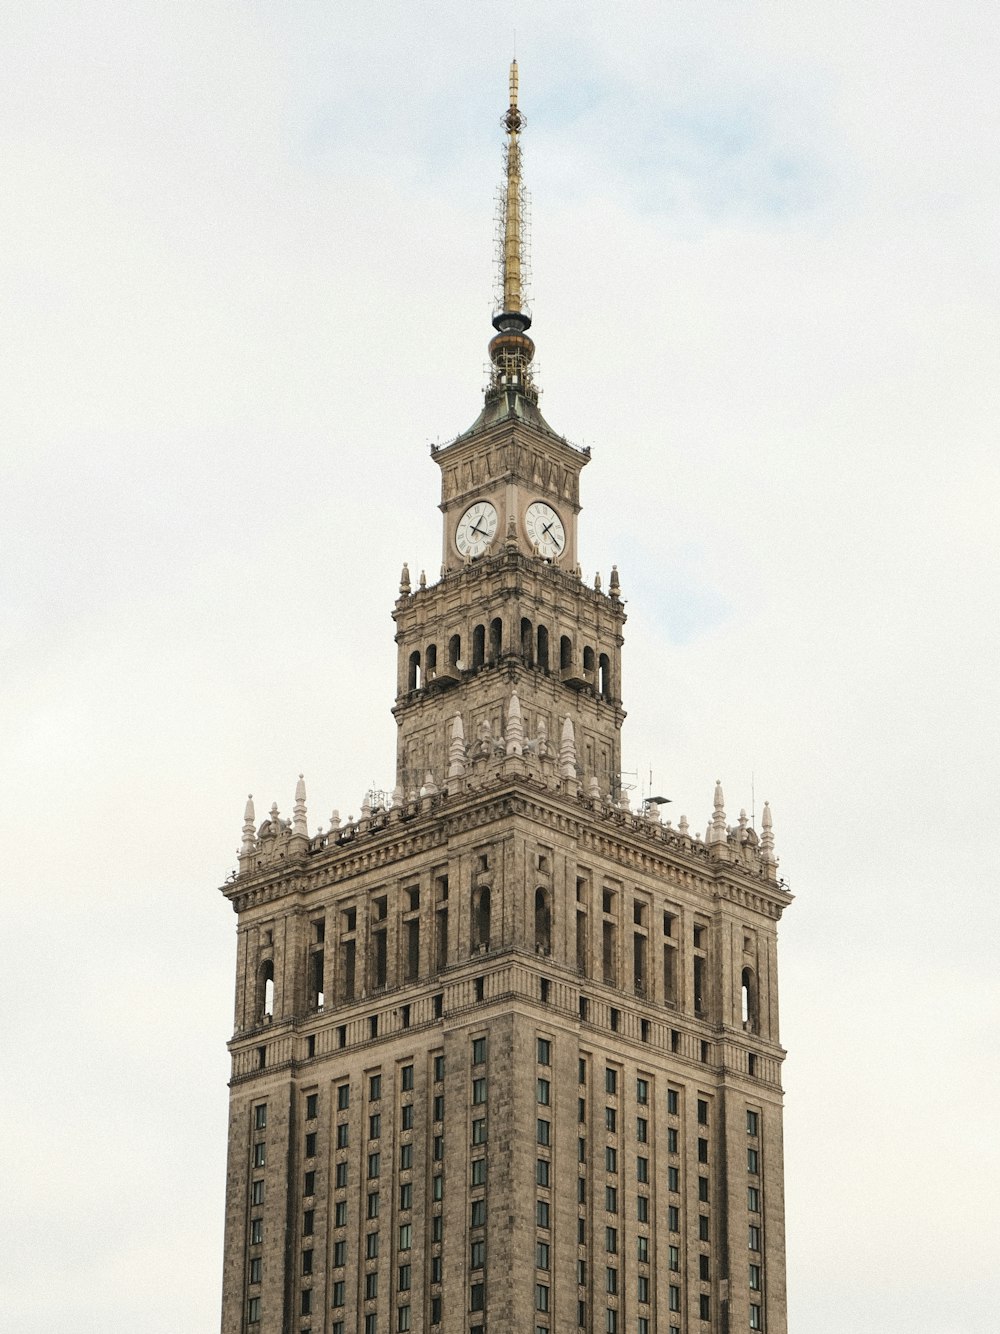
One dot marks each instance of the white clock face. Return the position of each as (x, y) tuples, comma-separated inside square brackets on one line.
[(545, 529), (476, 528)]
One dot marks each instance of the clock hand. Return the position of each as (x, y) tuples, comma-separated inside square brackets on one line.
[(477, 529)]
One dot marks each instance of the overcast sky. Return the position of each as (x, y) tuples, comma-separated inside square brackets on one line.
[(247, 260)]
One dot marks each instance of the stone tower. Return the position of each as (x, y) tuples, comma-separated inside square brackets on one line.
[(506, 1053)]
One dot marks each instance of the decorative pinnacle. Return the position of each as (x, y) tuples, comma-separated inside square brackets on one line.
[(511, 351)]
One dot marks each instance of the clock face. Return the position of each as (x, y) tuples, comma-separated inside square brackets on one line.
[(476, 528), (545, 529)]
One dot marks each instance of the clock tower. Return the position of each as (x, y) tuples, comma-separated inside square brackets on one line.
[(506, 1053)]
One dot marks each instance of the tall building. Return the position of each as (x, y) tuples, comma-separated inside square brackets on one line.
[(506, 1052)]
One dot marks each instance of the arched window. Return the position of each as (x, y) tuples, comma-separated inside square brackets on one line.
[(430, 661), (413, 680), (479, 646), (496, 639), (481, 918), (588, 659), (605, 681), (565, 652), (265, 990), (542, 657), (748, 997), (454, 650), (527, 641), (543, 923)]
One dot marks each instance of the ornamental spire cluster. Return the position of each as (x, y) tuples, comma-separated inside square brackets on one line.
[(511, 351)]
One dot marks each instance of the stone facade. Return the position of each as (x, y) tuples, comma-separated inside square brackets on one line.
[(506, 1053)]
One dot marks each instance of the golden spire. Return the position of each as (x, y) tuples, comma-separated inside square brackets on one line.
[(511, 350)]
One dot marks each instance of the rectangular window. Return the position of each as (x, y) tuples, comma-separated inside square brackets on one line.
[(258, 1154), (702, 1112), (438, 1109), (308, 1217), (311, 1145), (611, 1199), (610, 1080), (256, 1266), (339, 1254), (672, 1140), (405, 1236), (753, 1162), (375, 1088), (753, 1199), (403, 1317), (438, 1148), (542, 1213), (438, 1069), (371, 1286), (673, 1179), (642, 1208), (478, 1213), (754, 1237), (375, 1126), (542, 1129), (373, 1205), (407, 1122), (642, 1325), (343, 1097), (437, 1229), (674, 1297), (581, 1071), (581, 1190), (478, 1051), (371, 1245), (672, 1102), (437, 1187), (340, 1214), (544, 1052), (371, 1323), (674, 1259), (541, 1297), (753, 1123), (478, 1092), (479, 1131), (755, 1320), (406, 1078), (703, 1268), (642, 1091), (610, 1120), (641, 1129), (256, 1231), (581, 1152), (477, 1255), (542, 1092), (435, 1310), (340, 1175), (253, 1311), (479, 1171), (610, 1159), (343, 1132), (436, 1266), (406, 1196), (611, 1320), (257, 1193), (477, 1297), (703, 1227), (309, 1183), (611, 1280), (542, 1171), (642, 1249), (260, 1116), (541, 1255), (338, 1327), (405, 1156), (339, 1289), (673, 1218), (642, 1288), (755, 1278), (703, 1189), (704, 1307), (581, 1109), (703, 1150), (642, 1169)]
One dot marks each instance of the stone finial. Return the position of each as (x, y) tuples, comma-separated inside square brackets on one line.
[(767, 836), (594, 788), (299, 809), (334, 820), (683, 827), (396, 800), (597, 582), (404, 581), (511, 540), (743, 821), (567, 749), (456, 748), (249, 826), (614, 588), (423, 578), (717, 829), (515, 729), (429, 788), (366, 806)]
